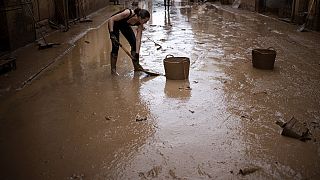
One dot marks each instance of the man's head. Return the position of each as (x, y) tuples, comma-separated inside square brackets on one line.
[(143, 15)]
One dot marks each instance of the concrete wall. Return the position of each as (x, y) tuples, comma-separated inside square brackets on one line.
[(248, 4), (17, 27), (275, 4), (43, 9)]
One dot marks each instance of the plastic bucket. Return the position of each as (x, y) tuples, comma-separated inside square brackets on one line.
[(176, 68), (263, 58)]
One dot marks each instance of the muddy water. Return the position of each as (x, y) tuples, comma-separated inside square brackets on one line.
[(76, 120)]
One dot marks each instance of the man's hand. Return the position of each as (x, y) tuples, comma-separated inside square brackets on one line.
[(135, 61), (135, 56)]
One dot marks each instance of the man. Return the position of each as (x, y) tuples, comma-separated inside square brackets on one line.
[(122, 22)]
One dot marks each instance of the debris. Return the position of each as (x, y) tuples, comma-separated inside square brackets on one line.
[(142, 175), (245, 116), (77, 176), (203, 173), (262, 92), (249, 170), (156, 44), (87, 42), (154, 172), (280, 123), (295, 129), (138, 118), (191, 111), (236, 4), (172, 174), (107, 118), (84, 20), (315, 125), (186, 88)]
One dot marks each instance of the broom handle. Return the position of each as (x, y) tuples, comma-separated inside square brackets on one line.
[(125, 50)]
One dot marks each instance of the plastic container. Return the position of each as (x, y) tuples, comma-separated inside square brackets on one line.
[(263, 58), (176, 68)]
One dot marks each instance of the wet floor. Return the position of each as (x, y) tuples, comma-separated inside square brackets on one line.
[(77, 121)]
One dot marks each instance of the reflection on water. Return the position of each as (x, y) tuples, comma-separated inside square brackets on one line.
[(179, 89)]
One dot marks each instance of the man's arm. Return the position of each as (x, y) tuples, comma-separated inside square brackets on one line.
[(138, 38), (117, 17)]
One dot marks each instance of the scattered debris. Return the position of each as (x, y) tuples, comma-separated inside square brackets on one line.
[(77, 176), (262, 92), (203, 173), (142, 175), (186, 88), (245, 116), (153, 173), (236, 4), (315, 125), (277, 32), (248, 170), (156, 44), (295, 129), (172, 174), (138, 118), (84, 20)]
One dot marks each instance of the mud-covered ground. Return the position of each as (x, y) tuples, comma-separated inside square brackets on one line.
[(76, 121)]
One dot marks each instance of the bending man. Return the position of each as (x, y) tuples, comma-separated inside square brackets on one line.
[(122, 21)]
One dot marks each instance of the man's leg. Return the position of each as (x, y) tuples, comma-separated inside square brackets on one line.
[(131, 38), (114, 53)]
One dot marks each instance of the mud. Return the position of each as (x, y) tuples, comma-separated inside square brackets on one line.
[(78, 121)]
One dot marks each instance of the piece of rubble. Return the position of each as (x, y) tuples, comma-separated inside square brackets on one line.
[(248, 170), (295, 129), (138, 118)]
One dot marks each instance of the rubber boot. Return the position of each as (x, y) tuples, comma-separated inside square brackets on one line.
[(113, 61)]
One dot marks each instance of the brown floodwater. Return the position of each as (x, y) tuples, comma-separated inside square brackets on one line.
[(76, 121)]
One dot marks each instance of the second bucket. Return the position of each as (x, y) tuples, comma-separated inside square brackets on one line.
[(176, 68)]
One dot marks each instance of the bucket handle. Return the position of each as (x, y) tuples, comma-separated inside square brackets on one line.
[(169, 55), (271, 48)]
